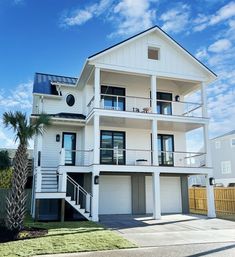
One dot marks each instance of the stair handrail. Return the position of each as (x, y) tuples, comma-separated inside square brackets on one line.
[(78, 186)]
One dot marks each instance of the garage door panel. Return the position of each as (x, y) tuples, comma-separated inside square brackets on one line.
[(170, 190), (115, 195)]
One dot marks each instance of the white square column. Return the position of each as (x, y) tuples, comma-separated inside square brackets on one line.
[(96, 139), (154, 142), (154, 93), (210, 199), (97, 88), (95, 195), (204, 100), (156, 196)]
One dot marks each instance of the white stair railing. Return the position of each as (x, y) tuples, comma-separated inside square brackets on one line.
[(77, 191)]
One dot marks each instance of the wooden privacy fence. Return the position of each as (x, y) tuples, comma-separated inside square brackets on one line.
[(224, 200)]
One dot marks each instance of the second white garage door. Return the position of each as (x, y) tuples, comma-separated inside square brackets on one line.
[(115, 194), (170, 190)]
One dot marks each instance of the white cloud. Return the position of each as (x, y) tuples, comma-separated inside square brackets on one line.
[(127, 16), (132, 16), (220, 45), (20, 97), (81, 16), (176, 19), (224, 13)]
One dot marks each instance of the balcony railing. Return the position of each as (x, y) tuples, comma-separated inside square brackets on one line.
[(144, 105), (117, 156), (76, 157)]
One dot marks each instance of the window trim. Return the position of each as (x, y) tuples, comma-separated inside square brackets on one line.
[(173, 149), (73, 97), (154, 47), (231, 142), (230, 166)]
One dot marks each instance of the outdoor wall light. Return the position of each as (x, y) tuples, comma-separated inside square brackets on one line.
[(96, 180), (211, 181), (177, 98), (57, 138)]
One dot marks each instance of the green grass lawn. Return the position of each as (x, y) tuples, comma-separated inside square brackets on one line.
[(65, 237)]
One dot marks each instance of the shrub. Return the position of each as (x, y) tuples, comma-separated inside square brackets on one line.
[(5, 161), (5, 178)]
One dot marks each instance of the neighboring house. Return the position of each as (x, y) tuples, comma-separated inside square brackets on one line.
[(223, 158), (117, 141)]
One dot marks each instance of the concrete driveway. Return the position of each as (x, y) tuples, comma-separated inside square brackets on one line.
[(171, 230)]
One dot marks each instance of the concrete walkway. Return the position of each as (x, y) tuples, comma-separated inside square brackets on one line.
[(171, 229)]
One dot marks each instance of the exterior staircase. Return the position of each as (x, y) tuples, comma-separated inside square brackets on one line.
[(78, 198), (49, 179)]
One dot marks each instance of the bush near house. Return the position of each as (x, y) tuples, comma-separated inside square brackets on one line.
[(5, 161), (5, 178)]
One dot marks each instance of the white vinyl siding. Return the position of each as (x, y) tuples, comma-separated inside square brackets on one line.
[(217, 144), (225, 167)]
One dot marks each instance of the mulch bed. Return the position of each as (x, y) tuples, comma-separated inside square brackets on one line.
[(26, 233)]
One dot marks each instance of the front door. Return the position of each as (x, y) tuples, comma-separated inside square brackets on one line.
[(69, 145), (165, 150)]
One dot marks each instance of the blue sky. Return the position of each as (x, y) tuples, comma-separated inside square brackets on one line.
[(56, 37)]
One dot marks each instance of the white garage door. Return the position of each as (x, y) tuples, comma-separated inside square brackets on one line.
[(115, 194), (170, 190)]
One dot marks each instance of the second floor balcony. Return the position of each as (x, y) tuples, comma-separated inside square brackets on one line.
[(166, 106), (132, 157)]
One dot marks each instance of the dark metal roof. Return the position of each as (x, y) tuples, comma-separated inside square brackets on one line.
[(66, 115), (232, 132), (143, 33), (69, 115), (42, 82)]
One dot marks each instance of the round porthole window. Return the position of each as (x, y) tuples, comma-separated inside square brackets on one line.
[(70, 100)]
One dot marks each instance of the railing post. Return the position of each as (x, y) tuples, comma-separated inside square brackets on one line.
[(62, 157), (88, 203), (39, 180), (117, 103), (63, 182)]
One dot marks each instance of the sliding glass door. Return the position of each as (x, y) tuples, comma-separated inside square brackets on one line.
[(116, 102), (164, 106), (165, 150), (112, 144)]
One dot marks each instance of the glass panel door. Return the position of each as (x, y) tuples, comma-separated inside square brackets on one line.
[(112, 144), (116, 102), (69, 144), (166, 149), (106, 153), (164, 107)]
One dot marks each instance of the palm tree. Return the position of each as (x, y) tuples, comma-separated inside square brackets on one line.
[(24, 130)]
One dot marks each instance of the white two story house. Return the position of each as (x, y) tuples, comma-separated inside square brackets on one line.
[(117, 143)]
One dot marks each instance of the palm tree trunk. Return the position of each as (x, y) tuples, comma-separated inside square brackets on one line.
[(16, 200)]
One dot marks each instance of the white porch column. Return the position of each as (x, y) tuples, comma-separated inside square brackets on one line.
[(97, 88), (156, 196), (210, 199), (207, 145), (154, 93), (96, 139), (95, 195), (204, 100), (154, 142)]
